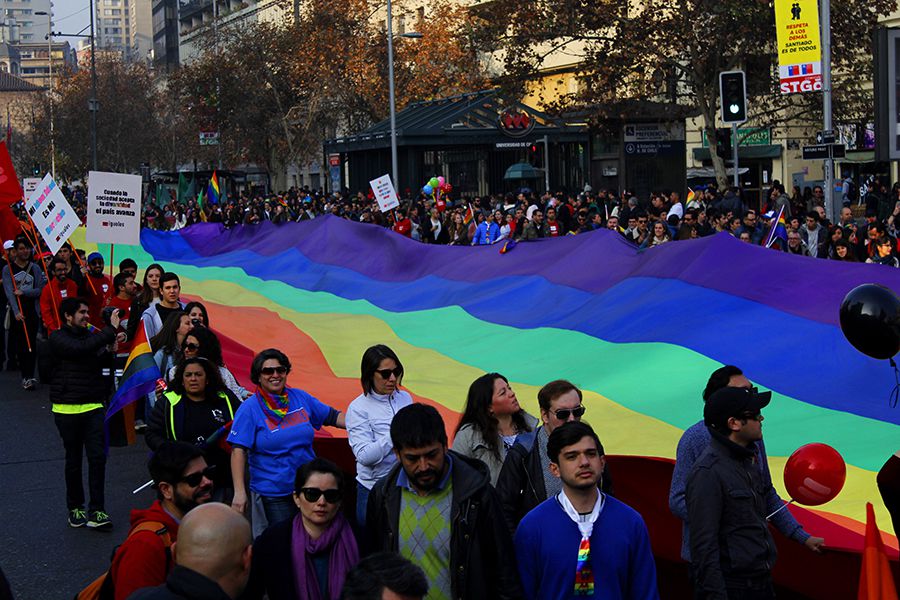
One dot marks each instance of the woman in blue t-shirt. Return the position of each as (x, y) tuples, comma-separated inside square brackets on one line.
[(274, 428)]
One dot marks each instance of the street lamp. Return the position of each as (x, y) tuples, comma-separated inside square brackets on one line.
[(391, 97), (93, 105), (49, 16)]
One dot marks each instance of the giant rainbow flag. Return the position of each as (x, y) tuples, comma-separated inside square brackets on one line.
[(640, 332)]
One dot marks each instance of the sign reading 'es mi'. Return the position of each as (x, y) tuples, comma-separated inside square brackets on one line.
[(799, 45)]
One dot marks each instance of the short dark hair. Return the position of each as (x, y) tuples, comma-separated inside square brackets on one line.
[(70, 306), (318, 465), (554, 390), (127, 263), (416, 426), (567, 434), (170, 460), (813, 215), (118, 281), (262, 357), (719, 379), (168, 276), (55, 260), (368, 579), (371, 358)]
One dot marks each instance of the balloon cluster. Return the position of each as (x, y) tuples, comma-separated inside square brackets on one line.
[(437, 187)]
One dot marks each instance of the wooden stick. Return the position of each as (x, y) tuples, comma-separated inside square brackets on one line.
[(81, 262)]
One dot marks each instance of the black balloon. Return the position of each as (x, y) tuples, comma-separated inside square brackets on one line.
[(870, 320)]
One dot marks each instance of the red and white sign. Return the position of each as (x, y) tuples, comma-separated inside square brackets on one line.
[(801, 78), (385, 194)]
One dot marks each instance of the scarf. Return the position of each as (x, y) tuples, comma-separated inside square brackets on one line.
[(274, 406), (584, 576), (343, 554)]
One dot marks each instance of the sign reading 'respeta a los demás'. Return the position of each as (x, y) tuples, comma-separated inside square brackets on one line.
[(799, 45)]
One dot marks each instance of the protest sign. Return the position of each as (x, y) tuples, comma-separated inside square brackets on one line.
[(385, 194), (114, 208), (51, 214), (30, 184)]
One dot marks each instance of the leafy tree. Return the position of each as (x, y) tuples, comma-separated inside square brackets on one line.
[(672, 51)]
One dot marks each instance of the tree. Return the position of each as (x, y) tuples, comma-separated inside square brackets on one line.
[(128, 122), (673, 51)]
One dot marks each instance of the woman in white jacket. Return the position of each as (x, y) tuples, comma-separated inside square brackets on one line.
[(369, 419)]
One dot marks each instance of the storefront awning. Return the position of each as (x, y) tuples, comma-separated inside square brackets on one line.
[(748, 152)]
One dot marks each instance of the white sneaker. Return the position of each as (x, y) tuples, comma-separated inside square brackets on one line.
[(29, 384)]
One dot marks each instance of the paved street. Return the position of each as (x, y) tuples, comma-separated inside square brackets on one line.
[(42, 557)]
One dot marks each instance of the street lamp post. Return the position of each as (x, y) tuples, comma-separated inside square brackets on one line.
[(49, 15), (93, 105), (391, 97)]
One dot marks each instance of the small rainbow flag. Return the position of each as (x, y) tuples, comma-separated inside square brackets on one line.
[(139, 378), (691, 197), (212, 190), (778, 230), (467, 218)]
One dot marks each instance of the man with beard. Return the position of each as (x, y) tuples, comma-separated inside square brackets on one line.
[(183, 481), (58, 289), (582, 542), (97, 288), (437, 508)]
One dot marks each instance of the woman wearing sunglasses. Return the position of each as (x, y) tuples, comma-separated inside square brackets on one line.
[(307, 557), (491, 422), (273, 429), (166, 344), (197, 408), (369, 419), (201, 341)]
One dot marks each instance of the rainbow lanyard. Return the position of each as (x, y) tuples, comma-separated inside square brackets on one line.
[(584, 576)]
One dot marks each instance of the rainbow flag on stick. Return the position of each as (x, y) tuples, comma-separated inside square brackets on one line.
[(139, 378), (467, 218), (212, 190), (778, 230)]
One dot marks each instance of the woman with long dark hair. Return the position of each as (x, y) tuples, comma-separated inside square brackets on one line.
[(369, 419), (148, 296), (202, 342), (491, 422), (166, 344)]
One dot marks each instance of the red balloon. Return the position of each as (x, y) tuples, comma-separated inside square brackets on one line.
[(814, 474)]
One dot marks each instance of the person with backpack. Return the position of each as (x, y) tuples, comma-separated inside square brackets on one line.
[(183, 481)]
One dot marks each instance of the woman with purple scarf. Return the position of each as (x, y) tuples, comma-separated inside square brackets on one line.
[(307, 557)]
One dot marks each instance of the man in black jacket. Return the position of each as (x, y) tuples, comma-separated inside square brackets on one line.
[(525, 479), (77, 393), (732, 550), (438, 509)]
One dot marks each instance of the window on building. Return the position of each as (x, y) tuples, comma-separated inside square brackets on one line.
[(26, 36)]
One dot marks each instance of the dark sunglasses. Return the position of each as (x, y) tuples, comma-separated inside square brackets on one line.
[(194, 479), (386, 373), (273, 370), (563, 413), (191, 347), (313, 495)]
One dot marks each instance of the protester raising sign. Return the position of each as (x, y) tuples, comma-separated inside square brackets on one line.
[(51, 214), (114, 208), (385, 194)]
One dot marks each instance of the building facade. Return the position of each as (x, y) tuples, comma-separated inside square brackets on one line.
[(126, 27), (34, 66), (164, 16), (198, 19), (20, 23)]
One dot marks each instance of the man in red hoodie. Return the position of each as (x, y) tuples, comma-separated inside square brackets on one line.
[(97, 287), (182, 481), (59, 288)]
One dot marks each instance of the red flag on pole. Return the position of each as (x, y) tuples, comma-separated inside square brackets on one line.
[(10, 190), (875, 579)]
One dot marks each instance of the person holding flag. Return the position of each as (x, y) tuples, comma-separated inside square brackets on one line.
[(77, 392), (777, 231), (23, 283)]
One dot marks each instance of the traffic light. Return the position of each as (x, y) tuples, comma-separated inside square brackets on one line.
[(36, 169), (733, 92), (723, 143)]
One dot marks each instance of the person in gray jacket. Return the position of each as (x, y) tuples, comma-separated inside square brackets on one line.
[(23, 283), (491, 422)]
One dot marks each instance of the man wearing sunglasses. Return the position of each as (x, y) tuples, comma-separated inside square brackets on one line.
[(525, 479), (732, 550), (696, 439), (183, 481)]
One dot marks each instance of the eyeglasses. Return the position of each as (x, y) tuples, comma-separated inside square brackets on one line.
[(313, 494), (563, 413), (194, 479), (192, 347), (386, 373), (273, 370)]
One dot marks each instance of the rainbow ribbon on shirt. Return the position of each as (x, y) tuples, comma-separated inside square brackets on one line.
[(584, 576)]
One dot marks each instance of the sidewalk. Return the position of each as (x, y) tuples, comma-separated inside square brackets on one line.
[(41, 556)]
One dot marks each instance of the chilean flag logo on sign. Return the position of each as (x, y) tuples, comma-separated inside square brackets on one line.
[(806, 69)]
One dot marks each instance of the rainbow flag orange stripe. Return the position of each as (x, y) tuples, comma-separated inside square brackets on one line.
[(139, 378)]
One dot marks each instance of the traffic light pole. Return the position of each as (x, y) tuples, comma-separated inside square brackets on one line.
[(734, 154), (831, 208)]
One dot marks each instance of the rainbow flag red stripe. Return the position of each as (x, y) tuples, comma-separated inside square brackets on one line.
[(139, 378)]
